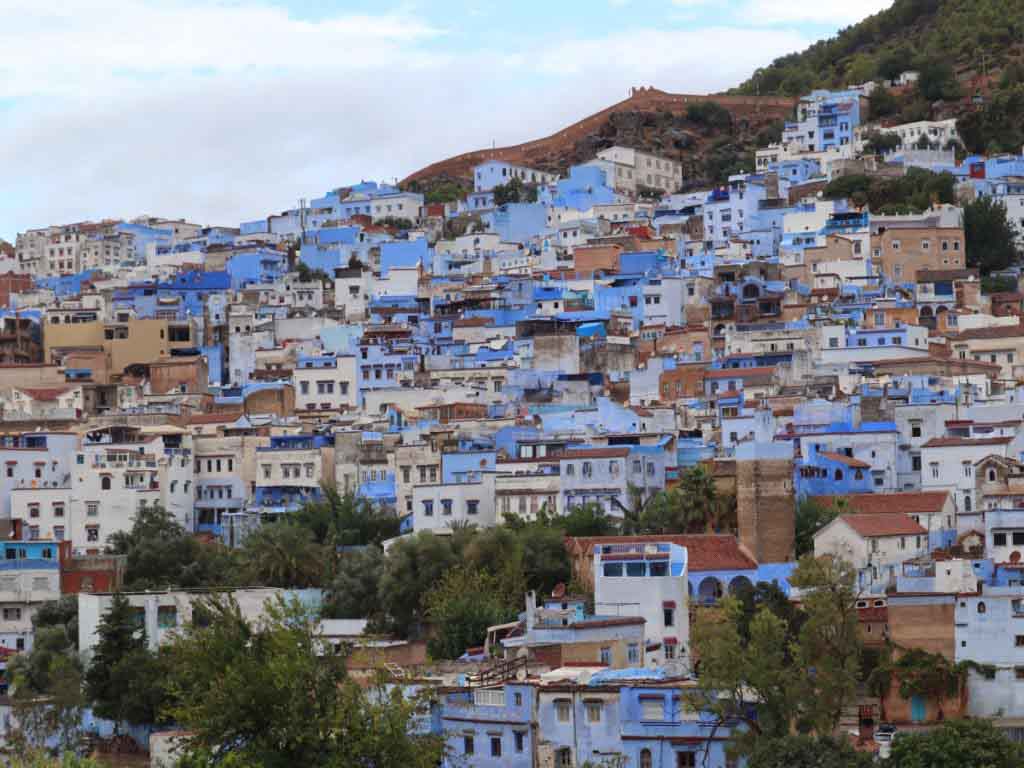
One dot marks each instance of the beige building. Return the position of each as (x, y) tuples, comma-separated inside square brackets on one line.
[(633, 169), (124, 344)]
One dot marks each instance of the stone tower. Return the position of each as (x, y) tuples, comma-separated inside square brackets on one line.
[(765, 504)]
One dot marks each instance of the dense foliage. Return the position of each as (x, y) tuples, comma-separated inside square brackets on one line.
[(913, 192), (801, 665), (991, 244), (265, 694), (955, 744), (807, 752)]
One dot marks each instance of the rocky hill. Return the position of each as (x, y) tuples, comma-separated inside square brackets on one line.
[(711, 135)]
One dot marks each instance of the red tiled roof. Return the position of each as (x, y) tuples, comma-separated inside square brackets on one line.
[(705, 552), (45, 393), (999, 332), (740, 373), (847, 460), (871, 526), (916, 503), (965, 442), (595, 453)]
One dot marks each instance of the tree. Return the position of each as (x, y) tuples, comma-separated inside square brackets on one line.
[(588, 520), (47, 698), (307, 275), (798, 670), (877, 143), (882, 103), (411, 568), (807, 752), (828, 647), (955, 744), (936, 81), (124, 681), (353, 590), (162, 554), (284, 554), (811, 516), (514, 191), (461, 606), (263, 694), (991, 244), (338, 519)]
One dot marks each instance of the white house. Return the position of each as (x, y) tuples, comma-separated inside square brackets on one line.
[(647, 579), (875, 545)]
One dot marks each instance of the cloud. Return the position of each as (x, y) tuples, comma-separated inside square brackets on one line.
[(831, 12), (227, 112)]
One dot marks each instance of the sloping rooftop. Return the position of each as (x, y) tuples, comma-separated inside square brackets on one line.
[(873, 526), (916, 503), (705, 552)]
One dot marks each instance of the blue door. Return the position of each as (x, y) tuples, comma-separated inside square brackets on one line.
[(917, 709)]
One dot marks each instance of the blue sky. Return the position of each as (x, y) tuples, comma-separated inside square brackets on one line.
[(227, 111)]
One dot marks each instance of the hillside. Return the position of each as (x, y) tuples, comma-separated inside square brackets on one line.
[(977, 37), (969, 53), (712, 136)]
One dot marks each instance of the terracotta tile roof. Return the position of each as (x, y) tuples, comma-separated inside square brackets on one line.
[(595, 453), (473, 322), (741, 373), (871, 526), (44, 394), (965, 442), (916, 503), (705, 552), (998, 332), (847, 460)]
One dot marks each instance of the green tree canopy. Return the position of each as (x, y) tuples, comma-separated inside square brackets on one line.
[(807, 752), (991, 244), (263, 694), (956, 743)]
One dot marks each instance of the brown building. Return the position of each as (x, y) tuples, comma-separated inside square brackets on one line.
[(766, 507), (588, 259), (1005, 304), (686, 380), (136, 341), (13, 283), (900, 250), (20, 341)]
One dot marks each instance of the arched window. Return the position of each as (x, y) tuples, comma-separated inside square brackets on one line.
[(839, 474), (645, 758), (967, 503), (991, 475), (105, 483), (981, 608)]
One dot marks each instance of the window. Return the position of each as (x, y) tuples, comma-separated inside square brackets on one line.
[(517, 699), (612, 569), (686, 760), (520, 739), (1018, 673), (570, 470), (1018, 538), (428, 508), (593, 711), (981, 608), (12, 614), (652, 709), (467, 745), (105, 483), (562, 710), (633, 653), (495, 746), (999, 539), (935, 469), (92, 508), (58, 532), (669, 617), (446, 506), (606, 656), (588, 469), (645, 758), (563, 758), (472, 506)]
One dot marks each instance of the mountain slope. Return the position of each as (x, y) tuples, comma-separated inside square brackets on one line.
[(976, 37), (710, 135)]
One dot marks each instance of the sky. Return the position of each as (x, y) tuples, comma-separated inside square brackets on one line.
[(227, 111)]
